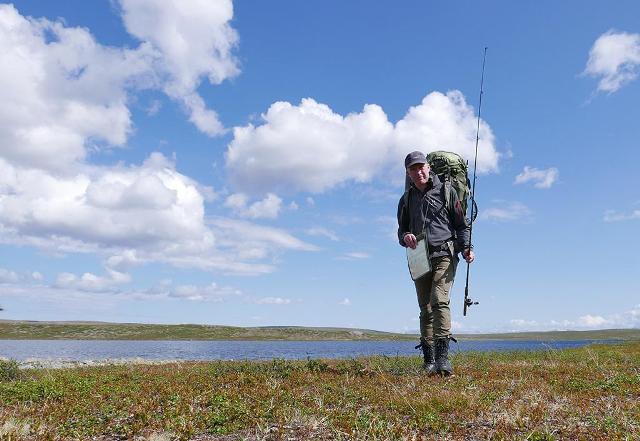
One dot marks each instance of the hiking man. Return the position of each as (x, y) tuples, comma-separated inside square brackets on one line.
[(424, 210)]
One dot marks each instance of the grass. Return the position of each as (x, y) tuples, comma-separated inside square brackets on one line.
[(29, 330), (589, 393), (25, 330)]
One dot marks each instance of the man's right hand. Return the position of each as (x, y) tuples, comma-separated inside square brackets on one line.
[(410, 241)]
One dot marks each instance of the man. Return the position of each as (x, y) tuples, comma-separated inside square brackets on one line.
[(424, 210)]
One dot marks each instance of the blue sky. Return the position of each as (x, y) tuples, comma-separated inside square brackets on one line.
[(240, 163)]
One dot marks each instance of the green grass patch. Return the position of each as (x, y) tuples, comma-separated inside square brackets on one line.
[(545, 395)]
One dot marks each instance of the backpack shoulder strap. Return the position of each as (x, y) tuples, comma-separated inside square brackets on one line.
[(448, 198), (405, 206)]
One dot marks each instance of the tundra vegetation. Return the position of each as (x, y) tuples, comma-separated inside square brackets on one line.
[(590, 393), (33, 330)]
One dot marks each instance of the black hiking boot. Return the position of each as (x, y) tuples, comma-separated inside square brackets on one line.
[(429, 364), (442, 365)]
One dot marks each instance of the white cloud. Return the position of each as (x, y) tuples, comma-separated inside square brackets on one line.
[(248, 234), (272, 301), (540, 178), (211, 292), (61, 90), (268, 208), (522, 323), (92, 283), (310, 201), (626, 319), (311, 148), (615, 216), (308, 147), (154, 107), (592, 321), (615, 59), (345, 302), (7, 276), (355, 255), (64, 94), (506, 211), (321, 231), (101, 207), (445, 122), (90, 287), (243, 243), (131, 215), (194, 39)]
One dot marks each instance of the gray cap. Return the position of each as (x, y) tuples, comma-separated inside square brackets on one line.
[(414, 158)]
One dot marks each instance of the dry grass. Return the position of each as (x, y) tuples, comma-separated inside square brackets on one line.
[(590, 393)]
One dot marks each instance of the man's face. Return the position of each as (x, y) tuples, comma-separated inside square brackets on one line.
[(419, 174)]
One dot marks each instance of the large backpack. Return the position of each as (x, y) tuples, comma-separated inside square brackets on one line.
[(453, 172)]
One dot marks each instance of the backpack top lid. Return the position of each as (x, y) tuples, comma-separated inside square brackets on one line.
[(447, 163)]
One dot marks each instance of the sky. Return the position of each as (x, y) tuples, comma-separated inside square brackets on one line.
[(240, 163)]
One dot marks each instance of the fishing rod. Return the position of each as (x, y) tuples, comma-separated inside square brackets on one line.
[(467, 300)]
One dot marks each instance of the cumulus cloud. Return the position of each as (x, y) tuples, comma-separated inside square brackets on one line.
[(64, 93), (61, 90), (345, 302), (131, 215), (194, 39), (267, 208), (446, 122), (614, 59), (102, 207), (506, 211), (540, 178), (309, 147), (90, 282)]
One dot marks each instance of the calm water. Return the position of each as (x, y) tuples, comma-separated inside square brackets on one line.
[(82, 350)]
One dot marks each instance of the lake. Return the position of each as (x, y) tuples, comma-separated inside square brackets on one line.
[(94, 350)]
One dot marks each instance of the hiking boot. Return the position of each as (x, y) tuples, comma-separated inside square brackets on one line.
[(442, 365), (429, 361)]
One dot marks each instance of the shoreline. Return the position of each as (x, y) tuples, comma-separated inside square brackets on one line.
[(70, 363)]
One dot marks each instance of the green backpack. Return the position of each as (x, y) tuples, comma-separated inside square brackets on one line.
[(453, 172)]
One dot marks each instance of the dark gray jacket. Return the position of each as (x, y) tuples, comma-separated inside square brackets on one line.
[(440, 223)]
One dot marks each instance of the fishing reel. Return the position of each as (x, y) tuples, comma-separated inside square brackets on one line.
[(467, 303)]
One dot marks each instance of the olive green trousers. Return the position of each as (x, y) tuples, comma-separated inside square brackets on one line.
[(433, 298)]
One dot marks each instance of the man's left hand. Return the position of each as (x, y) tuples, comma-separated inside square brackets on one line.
[(468, 255)]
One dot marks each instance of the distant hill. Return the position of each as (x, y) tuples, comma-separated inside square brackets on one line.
[(600, 334), (34, 330)]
